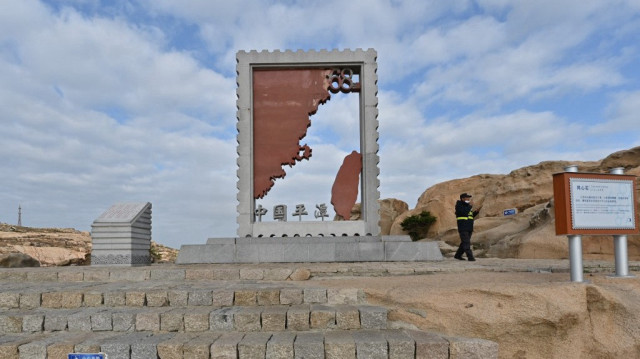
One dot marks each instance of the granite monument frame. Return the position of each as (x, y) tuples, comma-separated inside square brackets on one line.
[(364, 64)]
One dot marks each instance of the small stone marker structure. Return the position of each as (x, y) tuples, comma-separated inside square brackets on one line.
[(121, 236)]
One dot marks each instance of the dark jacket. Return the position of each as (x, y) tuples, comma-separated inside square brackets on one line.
[(465, 216)]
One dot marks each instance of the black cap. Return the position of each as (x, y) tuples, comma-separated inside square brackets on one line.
[(465, 195)]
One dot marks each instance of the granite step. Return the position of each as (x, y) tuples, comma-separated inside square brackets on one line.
[(199, 319), (287, 271), (222, 272), (147, 273), (163, 294), (386, 343)]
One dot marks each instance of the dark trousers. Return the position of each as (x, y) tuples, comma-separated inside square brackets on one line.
[(465, 244)]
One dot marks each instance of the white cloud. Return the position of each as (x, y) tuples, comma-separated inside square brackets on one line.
[(623, 115), (445, 149), (63, 77), (102, 102)]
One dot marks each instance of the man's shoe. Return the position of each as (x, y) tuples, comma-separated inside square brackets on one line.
[(459, 258), (471, 259)]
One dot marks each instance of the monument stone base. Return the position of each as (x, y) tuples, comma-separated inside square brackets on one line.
[(309, 249)]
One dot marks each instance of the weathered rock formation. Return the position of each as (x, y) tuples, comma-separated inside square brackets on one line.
[(18, 260), (530, 315), (50, 246), (530, 233), (390, 209)]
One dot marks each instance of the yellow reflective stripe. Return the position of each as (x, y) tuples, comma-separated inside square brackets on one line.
[(470, 216)]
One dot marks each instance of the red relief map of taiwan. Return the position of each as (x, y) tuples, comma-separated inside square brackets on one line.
[(283, 100)]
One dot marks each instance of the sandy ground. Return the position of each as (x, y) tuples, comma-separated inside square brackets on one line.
[(529, 311)]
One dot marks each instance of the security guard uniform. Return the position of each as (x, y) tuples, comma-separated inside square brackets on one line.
[(464, 217)]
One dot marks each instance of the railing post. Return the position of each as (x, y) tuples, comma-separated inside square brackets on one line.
[(620, 244), (575, 247)]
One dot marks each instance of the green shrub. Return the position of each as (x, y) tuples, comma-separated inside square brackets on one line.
[(417, 226)]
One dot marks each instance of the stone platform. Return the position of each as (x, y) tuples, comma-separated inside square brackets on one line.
[(309, 249)]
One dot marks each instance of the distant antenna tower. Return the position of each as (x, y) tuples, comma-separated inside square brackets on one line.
[(19, 216)]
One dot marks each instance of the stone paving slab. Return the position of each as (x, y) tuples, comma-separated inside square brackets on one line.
[(371, 344), (401, 345), (309, 345), (429, 345), (339, 345), (463, 348), (280, 346)]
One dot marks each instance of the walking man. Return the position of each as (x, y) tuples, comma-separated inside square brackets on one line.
[(465, 215)]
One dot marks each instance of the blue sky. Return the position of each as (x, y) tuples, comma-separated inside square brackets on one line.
[(130, 101)]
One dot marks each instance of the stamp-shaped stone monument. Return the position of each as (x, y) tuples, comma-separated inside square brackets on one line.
[(278, 92), (121, 236)]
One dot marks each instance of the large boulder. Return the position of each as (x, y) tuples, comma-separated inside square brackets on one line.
[(18, 260), (531, 232), (390, 209)]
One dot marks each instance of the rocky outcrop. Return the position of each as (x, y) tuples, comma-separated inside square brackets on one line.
[(530, 233), (390, 209), (18, 260), (50, 246), (529, 315), (61, 246), (162, 254)]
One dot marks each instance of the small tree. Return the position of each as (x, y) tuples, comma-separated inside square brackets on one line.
[(417, 226)]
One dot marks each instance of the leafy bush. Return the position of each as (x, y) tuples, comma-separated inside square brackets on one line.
[(417, 226)]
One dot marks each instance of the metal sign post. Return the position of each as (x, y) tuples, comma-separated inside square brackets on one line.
[(620, 245), (575, 247)]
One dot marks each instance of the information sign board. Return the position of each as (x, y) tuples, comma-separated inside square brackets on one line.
[(595, 204), (87, 356), (602, 204), (510, 212)]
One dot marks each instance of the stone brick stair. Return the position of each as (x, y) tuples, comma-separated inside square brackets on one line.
[(146, 313), (199, 319)]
